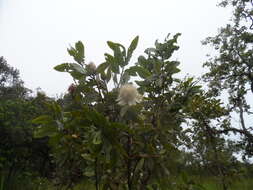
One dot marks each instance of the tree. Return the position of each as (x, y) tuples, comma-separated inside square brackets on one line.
[(119, 137), (210, 148), (21, 155), (231, 70), (11, 86)]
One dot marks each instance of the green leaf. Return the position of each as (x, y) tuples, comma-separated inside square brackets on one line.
[(140, 164), (102, 67), (77, 53), (157, 66), (114, 64), (74, 69), (118, 59), (115, 67), (79, 57), (43, 119), (111, 45), (89, 171), (125, 78), (150, 51), (76, 75), (140, 83), (133, 44), (131, 71), (64, 67), (142, 72), (97, 138), (131, 48), (44, 131), (87, 157), (108, 74), (171, 67), (142, 61), (80, 48), (78, 68), (103, 75), (71, 51)]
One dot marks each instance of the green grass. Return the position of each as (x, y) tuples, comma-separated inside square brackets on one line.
[(209, 183), (245, 184)]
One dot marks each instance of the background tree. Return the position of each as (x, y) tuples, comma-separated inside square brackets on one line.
[(231, 70), (11, 86), (21, 156)]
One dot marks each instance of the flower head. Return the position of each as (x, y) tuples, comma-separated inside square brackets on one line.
[(128, 95), (91, 67), (72, 88)]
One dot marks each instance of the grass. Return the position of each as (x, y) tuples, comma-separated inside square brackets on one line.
[(208, 184), (245, 184)]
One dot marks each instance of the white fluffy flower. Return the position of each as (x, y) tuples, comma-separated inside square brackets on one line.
[(128, 95)]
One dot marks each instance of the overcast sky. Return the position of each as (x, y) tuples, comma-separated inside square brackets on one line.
[(34, 34)]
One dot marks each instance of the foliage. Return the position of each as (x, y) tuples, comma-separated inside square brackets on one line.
[(116, 147), (11, 86), (21, 155), (133, 126), (231, 70)]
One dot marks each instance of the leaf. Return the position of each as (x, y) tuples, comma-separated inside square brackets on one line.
[(142, 61), (62, 67), (122, 127), (103, 75), (78, 68), (157, 66), (133, 44), (87, 157), (76, 75), (150, 51), (111, 45), (77, 53), (125, 78), (74, 69), (140, 164), (71, 51), (89, 171), (171, 67), (115, 67), (140, 83), (131, 48), (109, 74), (97, 138), (44, 131), (101, 68), (131, 71), (118, 59), (43, 119), (80, 49), (112, 61), (142, 72)]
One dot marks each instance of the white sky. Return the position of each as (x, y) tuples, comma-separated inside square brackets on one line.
[(34, 34)]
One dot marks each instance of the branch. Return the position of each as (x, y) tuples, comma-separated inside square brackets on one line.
[(241, 117), (235, 130)]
